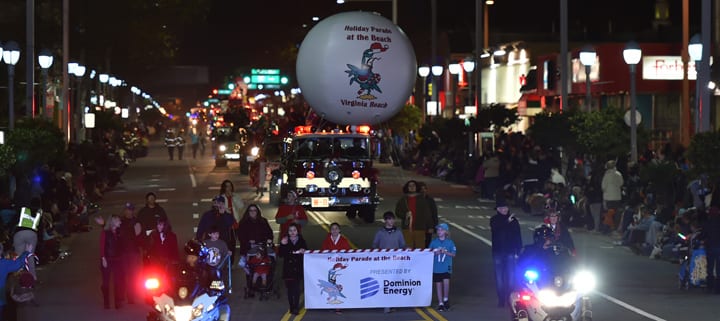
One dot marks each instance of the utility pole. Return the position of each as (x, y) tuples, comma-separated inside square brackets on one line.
[(64, 111), (30, 58), (563, 54), (685, 124)]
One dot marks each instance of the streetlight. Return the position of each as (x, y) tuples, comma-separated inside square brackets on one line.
[(632, 55), (11, 55), (436, 71), (695, 48), (454, 69), (45, 59), (469, 67), (424, 71), (587, 58)]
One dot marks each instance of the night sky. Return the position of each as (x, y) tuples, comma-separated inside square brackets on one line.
[(247, 34)]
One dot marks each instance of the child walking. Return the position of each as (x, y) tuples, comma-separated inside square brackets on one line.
[(444, 249)]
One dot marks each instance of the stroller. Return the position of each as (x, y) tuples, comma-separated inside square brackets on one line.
[(693, 263), (260, 260)]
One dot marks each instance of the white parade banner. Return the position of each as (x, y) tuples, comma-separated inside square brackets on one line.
[(368, 278)]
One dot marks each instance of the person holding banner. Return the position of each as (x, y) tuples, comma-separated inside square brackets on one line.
[(335, 241), (388, 237), (416, 215), (292, 247), (445, 250)]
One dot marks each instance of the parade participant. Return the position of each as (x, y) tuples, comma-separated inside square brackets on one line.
[(335, 241), (27, 231), (131, 238), (219, 217), (292, 247), (163, 246), (217, 248), (444, 249), (111, 263), (180, 144), (388, 237), (423, 188), (416, 215), (170, 143), (290, 213), (253, 228), (150, 213), (506, 245), (560, 233), (233, 202)]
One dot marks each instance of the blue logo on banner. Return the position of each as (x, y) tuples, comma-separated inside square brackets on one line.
[(368, 287)]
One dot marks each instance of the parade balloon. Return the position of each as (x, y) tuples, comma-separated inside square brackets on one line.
[(356, 68)]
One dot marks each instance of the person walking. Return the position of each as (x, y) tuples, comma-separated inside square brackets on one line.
[(290, 213), (194, 142), (218, 216), (170, 143), (180, 144), (506, 245), (253, 228), (150, 213), (8, 266), (422, 186), (611, 185), (491, 167), (292, 247), (163, 247), (444, 249), (388, 237), (233, 202), (416, 215), (131, 238), (111, 263)]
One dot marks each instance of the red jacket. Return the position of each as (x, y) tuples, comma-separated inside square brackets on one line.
[(342, 243)]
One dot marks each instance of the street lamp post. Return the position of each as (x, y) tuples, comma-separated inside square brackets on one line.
[(454, 69), (632, 55), (45, 59), (424, 71), (103, 78), (436, 71), (695, 49), (79, 72), (11, 55), (587, 58), (469, 67)]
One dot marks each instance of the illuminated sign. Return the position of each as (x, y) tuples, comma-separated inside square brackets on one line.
[(265, 79), (265, 71), (224, 91), (666, 68)]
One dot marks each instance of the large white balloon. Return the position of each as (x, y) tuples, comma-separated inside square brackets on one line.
[(356, 68)]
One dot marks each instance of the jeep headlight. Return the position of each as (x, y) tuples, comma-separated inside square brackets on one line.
[(355, 187), (222, 148), (333, 175), (311, 188)]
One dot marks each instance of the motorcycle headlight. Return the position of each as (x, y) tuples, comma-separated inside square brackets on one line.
[(183, 313), (254, 151), (584, 281), (222, 148), (550, 299)]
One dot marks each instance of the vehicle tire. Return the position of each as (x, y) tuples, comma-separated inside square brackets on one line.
[(220, 163), (352, 212), (367, 213), (224, 312)]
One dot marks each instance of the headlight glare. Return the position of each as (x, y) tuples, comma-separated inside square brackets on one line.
[(584, 281)]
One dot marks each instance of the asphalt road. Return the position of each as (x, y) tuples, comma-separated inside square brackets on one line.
[(630, 287)]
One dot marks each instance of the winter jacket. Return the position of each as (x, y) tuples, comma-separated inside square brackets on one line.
[(163, 251), (292, 262), (388, 239), (342, 243), (506, 238), (257, 230), (224, 223), (492, 167), (612, 183), (110, 244), (422, 218)]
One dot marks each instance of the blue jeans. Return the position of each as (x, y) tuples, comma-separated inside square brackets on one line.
[(504, 277)]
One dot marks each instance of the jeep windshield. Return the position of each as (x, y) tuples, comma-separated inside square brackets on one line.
[(320, 147), (224, 134)]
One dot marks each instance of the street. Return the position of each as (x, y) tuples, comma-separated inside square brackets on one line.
[(630, 287)]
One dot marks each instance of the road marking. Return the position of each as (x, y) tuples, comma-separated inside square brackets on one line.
[(195, 204), (192, 179), (605, 296), (488, 217), (473, 207), (214, 188), (436, 314), (630, 307), (442, 206), (167, 189), (161, 200), (460, 207), (482, 227), (206, 200), (156, 175), (423, 314), (470, 227), (482, 200), (154, 179), (196, 215), (484, 207), (195, 229), (153, 185), (437, 199)]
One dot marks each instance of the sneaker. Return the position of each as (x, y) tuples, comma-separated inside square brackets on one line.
[(441, 307), (446, 303)]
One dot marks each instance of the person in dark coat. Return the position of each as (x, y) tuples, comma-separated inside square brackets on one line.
[(220, 217), (111, 264), (163, 247), (506, 246), (711, 232), (292, 247), (131, 237), (253, 228), (151, 213)]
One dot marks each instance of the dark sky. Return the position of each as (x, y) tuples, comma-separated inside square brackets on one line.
[(247, 34)]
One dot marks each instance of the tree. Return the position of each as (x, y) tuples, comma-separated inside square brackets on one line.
[(603, 133), (407, 119), (552, 130), (496, 115), (703, 153), (36, 142)]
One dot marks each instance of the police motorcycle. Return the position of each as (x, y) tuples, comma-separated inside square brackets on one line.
[(550, 286), (193, 292)]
